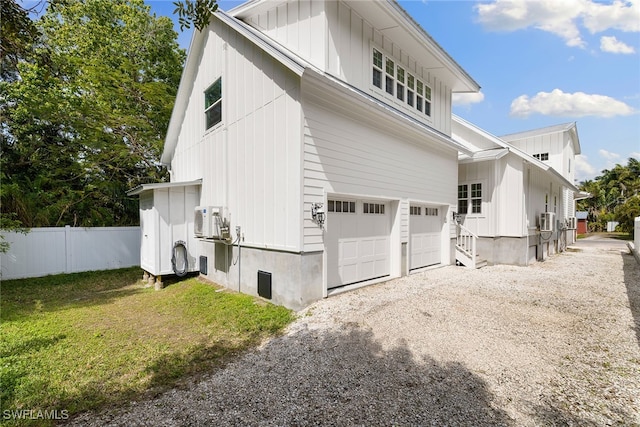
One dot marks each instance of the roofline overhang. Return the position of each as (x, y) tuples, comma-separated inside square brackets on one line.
[(523, 155), (408, 23), (160, 185), (581, 195)]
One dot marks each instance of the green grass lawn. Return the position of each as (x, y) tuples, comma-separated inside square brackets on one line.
[(82, 341)]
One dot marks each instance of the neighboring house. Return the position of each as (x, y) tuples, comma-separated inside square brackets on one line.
[(321, 133), (583, 225), (515, 193)]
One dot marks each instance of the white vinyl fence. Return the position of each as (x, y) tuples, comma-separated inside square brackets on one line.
[(55, 250)]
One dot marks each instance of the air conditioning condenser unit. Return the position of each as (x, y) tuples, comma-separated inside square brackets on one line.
[(207, 222)]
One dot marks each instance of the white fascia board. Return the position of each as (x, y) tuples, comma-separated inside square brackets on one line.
[(564, 127), (581, 195), (159, 185), (281, 54), (352, 94), (483, 156), (182, 97)]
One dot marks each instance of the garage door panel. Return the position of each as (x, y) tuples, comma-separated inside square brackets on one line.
[(425, 237), (361, 241)]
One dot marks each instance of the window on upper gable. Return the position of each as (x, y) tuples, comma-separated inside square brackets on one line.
[(390, 72), (411, 87), (377, 68), (542, 156), (427, 101), (395, 80), (213, 104), (400, 84)]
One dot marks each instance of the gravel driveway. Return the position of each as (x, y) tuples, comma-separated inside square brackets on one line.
[(556, 343)]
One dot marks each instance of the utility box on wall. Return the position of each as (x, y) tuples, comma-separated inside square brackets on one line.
[(166, 219)]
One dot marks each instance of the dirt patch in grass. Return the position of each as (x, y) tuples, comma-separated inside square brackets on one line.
[(82, 341)]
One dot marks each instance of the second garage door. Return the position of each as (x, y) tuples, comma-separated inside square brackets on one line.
[(357, 241), (425, 228)]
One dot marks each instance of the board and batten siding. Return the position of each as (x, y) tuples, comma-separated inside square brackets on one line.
[(552, 143), (344, 155), (482, 224), (250, 162), (337, 40)]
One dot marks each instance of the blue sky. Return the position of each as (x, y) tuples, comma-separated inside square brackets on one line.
[(539, 63)]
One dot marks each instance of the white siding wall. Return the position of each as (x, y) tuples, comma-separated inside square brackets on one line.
[(250, 162), (552, 143), (346, 155), (298, 25), (337, 40), (510, 207), (482, 224)]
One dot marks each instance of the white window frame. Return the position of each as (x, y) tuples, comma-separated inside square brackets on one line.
[(215, 104), (396, 86), (332, 206), (470, 198)]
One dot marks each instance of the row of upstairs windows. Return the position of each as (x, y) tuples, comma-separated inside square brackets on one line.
[(397, 82)]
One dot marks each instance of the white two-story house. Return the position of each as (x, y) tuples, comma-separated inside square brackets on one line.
[(515, 193), (319, 134)]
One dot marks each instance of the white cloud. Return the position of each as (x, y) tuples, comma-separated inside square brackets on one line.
[(619, 15), (584, 170), (608, 155), (460, 99), (578, 104), (613, 45), (635, 154), (561, 18)]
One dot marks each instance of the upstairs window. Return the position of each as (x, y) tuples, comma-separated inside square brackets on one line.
[(396, 80), (427, 101), (213, 104), (420, 96), (400, 84), (410, 89), (390, 72), (542, 156), (377, 68)]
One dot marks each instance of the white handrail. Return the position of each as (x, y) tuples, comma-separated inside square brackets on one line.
[(466, 243)]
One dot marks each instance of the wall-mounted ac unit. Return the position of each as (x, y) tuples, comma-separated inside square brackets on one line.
[(207, 222), (546, 221), (572, 223)]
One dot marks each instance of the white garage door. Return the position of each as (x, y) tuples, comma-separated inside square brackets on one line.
[(357, 241), (425, 228)]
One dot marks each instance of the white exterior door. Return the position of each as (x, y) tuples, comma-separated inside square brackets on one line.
[(356, 241), (425, 229)]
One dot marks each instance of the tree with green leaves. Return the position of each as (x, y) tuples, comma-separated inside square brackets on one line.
[(86, 118), (615, 196)]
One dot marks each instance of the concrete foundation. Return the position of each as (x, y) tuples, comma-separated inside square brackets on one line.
[(296, 277), (520, 250)]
